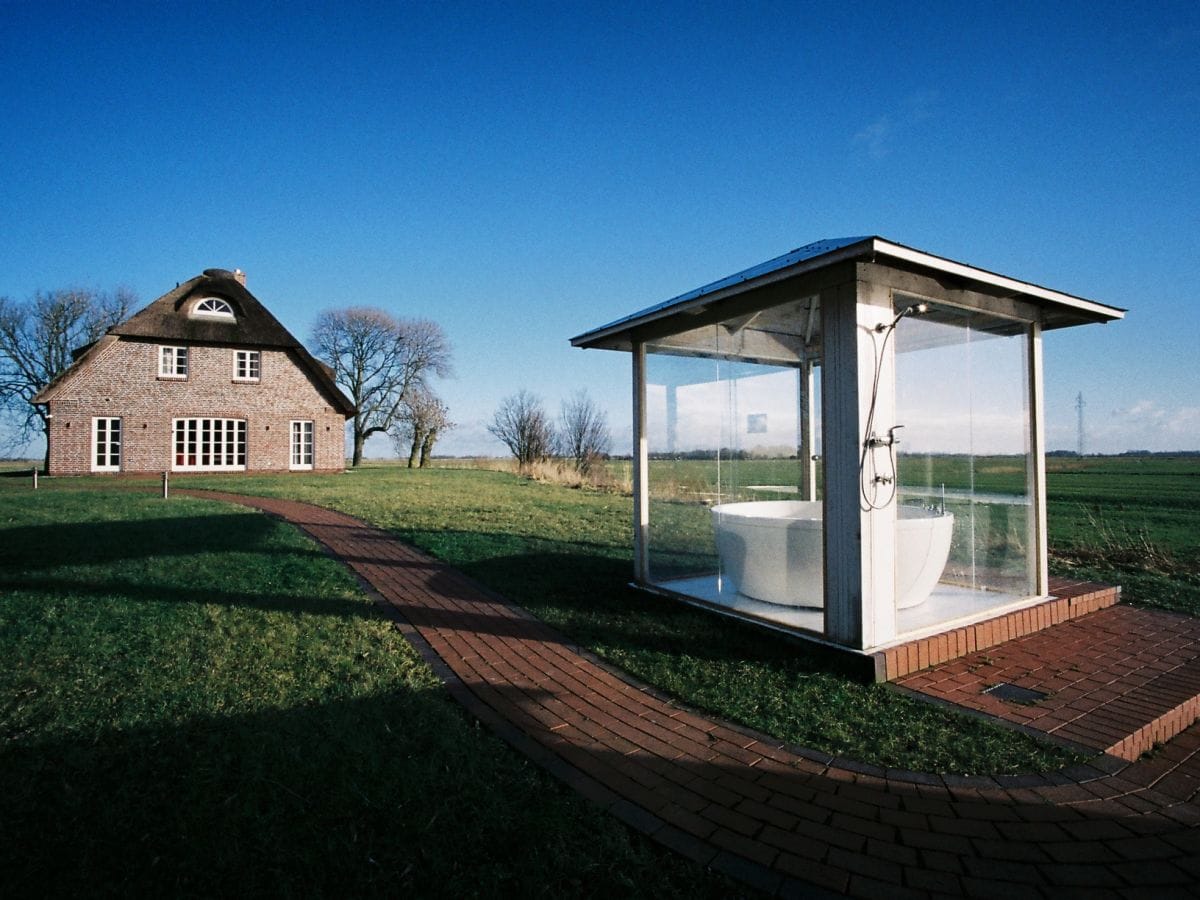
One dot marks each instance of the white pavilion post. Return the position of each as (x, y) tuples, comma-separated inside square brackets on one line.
[(641, 469), (1037, 462), (860, 540), (806, 377)]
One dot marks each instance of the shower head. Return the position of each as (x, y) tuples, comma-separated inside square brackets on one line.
[(917, 309)]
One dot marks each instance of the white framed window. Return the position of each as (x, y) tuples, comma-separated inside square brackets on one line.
[(213, 308), (106, 444), (172, 362), (302, 445), (213, 445), (247, 365)]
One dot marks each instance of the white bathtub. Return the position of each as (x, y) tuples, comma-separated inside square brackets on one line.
[(772, 550)]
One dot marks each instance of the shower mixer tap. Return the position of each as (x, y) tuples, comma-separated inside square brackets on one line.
[(874, 440)]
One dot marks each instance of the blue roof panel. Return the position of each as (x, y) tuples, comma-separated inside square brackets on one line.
[(791, 258)]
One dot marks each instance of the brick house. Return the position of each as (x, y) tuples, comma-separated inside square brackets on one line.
[(204, 379)]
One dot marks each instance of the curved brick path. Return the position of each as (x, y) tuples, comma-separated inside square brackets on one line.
[(786, 820)]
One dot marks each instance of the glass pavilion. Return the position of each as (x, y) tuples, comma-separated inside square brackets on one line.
[(845, 442)]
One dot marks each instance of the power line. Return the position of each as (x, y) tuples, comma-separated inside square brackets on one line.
[(1079, 405)]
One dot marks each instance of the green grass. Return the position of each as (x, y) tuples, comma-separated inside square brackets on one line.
[(565, 555), (195, 700), (1131, 521)]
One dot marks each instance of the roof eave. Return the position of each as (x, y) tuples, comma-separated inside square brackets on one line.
[(1065, 309), (703, 298), (1088, 310)]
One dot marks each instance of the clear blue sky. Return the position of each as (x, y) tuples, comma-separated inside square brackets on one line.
[(521, 173)]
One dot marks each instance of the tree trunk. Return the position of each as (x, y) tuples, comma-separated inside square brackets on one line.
[(427, 446), (416, 449), (46, 459), (359, 440)]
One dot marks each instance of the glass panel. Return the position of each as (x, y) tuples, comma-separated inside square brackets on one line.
[(210, 443), (965, 503), (735, 520)]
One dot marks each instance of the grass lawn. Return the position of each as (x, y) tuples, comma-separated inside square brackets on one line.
[(565, 555), (194, 700), (1132, 521)]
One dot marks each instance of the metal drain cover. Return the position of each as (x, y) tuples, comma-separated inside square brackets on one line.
[(1015, 694)]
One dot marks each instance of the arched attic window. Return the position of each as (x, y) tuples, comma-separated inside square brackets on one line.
[(213, 308)]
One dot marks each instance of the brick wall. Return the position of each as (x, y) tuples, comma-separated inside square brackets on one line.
[(123, 382)]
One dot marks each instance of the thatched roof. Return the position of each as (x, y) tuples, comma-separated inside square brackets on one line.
[(170, 318)]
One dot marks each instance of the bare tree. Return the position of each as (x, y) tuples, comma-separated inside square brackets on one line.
[(37, 338), (423, 420), (522, 425), (584, 431), (380, 360)]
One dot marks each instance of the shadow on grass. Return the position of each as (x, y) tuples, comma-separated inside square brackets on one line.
[(101, 542), (398, 795), (589, 598), (152, 592), (395, 795)]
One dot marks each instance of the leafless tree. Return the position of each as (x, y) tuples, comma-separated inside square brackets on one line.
[(522, 425), (380, 361), (584, 431), (37, 338), (422, 421)]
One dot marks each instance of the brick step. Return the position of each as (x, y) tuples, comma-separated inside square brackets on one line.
[(1118, 680), (1069, 599)]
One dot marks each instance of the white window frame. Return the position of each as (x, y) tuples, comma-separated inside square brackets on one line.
[(107, 435), (247, 365), (303, 445), (213, 308), (208, 445), (173, 362)]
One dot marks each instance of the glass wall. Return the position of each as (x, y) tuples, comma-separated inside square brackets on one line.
[(733, 510), (965, 503)]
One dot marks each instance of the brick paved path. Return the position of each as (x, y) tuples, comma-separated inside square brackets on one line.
[(786, 820), (1118, 680)]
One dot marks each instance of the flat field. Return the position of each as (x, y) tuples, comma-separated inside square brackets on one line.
[(195, 700)]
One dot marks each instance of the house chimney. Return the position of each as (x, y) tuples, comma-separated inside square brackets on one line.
[(240, 276)]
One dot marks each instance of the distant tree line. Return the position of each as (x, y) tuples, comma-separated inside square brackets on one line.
[(581, 433), (1152, 454)]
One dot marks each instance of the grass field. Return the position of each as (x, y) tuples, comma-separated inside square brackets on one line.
[(565, 555), (195, 700)]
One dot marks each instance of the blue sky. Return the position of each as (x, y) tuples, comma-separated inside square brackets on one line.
[(522, 173)]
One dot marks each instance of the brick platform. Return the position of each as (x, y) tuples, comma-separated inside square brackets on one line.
[(1070, 599), (786, 820), (1118, 680)]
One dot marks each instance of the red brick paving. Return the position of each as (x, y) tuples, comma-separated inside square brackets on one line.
[(789, 821), (1071, 599), (1118, 680)]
